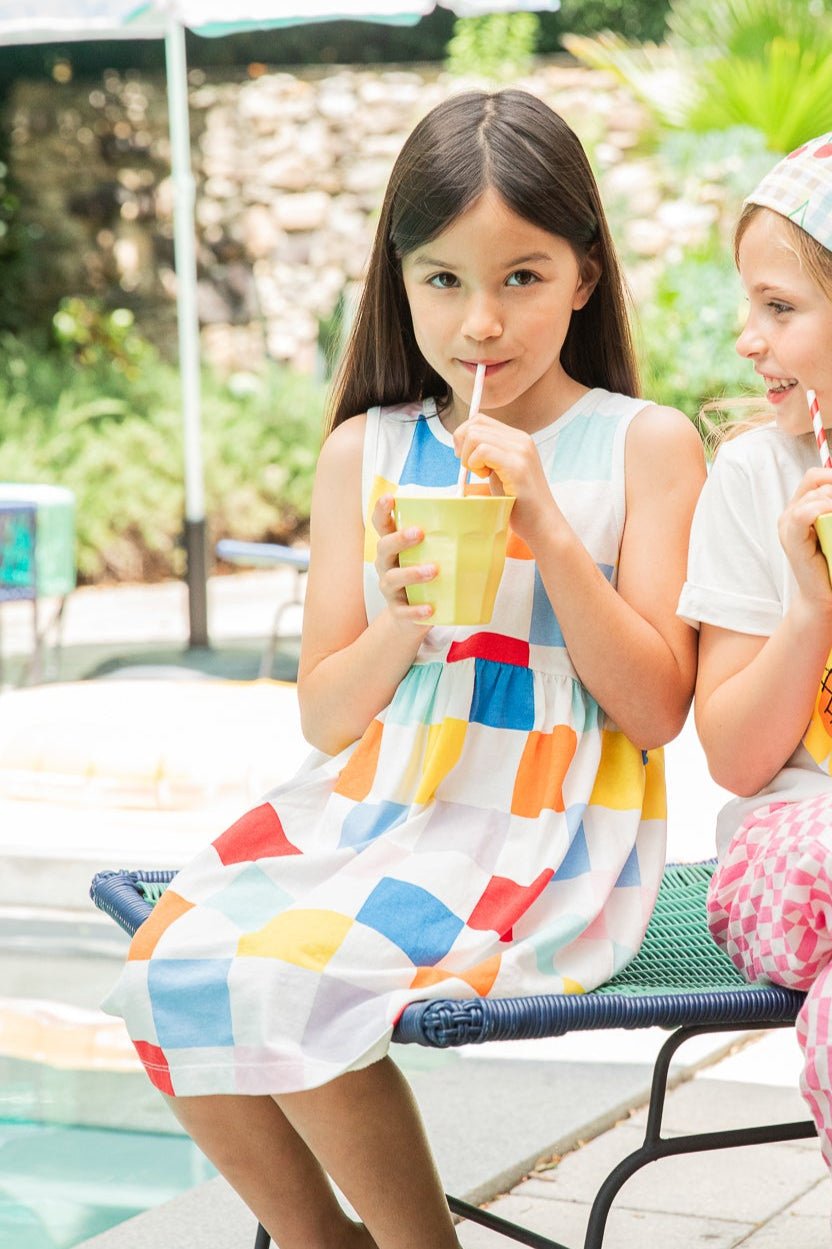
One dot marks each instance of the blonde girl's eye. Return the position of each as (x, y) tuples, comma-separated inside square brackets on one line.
[(521, 277), (778, 308), (443, 281)]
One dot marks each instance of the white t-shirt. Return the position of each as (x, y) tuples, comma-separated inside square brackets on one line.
[(739, 579)]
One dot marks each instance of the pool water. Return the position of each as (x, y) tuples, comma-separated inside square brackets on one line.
[(62, 1185)]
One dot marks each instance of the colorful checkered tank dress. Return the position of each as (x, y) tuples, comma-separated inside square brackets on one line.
[(491, 833)]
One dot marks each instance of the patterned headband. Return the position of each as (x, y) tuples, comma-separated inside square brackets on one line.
[(800, 188)]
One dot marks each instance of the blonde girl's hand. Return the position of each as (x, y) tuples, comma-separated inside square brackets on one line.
[(392, 578), (798, 537), (508, 457)]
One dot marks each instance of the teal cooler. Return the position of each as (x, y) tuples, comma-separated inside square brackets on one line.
[(55, 534)]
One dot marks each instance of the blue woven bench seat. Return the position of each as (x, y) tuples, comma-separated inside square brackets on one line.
[(680, 980)]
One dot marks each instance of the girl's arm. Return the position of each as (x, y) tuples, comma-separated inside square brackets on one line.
[(630, 649), (349, 670), (755, 695)]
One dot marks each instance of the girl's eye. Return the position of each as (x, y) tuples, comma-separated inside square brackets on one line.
[(443, 281), (521, 277), (778, 308)]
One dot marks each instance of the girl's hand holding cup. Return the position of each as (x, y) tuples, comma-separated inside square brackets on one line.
[(803, 527), (509, 458), (392, 578)]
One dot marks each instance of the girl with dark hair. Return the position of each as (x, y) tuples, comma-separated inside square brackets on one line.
[(486, 813)]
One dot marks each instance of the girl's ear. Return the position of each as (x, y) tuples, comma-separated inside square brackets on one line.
[(591, 270)]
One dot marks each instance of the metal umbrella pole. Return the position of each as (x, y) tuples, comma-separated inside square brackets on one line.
[(196, 549)]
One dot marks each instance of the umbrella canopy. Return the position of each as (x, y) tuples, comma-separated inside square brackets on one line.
[(48, 21)]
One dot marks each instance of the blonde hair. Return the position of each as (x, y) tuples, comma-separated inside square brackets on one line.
[(741, 414)]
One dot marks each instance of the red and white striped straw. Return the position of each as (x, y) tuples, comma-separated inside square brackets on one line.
[(820, 433)]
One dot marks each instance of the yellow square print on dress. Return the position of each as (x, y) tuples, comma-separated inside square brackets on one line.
[(379, 487), (444, 748), (620, 780), (308, 938)]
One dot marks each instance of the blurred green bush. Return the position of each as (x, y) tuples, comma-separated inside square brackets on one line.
[(686, 333), (499, 45), (761, 63), (95, 409), (687, 329)]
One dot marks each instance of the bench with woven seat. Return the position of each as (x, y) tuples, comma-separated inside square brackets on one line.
[(680, 980)]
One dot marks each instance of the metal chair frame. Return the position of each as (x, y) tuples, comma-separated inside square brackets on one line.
[(269, 555), (679, 980)]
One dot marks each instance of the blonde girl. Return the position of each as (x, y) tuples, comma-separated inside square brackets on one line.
[(758, 586)]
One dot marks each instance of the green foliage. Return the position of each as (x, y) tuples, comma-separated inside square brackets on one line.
[(688, 329), (658, 76), (499, 46), (641, 20), (92, 336), (114, 437), (741, 27), (733, 159), (262, 437), (761, 63), (787, 92), (15, 244)]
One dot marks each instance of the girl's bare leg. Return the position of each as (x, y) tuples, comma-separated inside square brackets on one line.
[(252, 1145), (367, 1133)]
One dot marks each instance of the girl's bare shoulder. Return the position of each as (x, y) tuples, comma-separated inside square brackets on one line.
[(344, 445), (663, 429), (664, 446)]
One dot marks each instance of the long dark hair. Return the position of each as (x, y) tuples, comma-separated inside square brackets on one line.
[(514, 143)]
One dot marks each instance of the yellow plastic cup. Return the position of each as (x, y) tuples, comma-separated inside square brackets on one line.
[(823, 528), (465, 536)]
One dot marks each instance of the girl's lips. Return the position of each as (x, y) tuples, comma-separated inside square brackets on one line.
[(778, 396), (490, 367)]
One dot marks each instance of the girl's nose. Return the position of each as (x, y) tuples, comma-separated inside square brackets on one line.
[(750, 342), (483, 318)]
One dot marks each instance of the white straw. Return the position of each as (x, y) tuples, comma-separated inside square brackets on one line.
[(472, 411)]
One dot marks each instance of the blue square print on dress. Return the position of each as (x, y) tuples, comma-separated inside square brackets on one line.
[(190, 1003), (428, 459), (630, 872), (583, 451), (369, 820), (503, 696), (412, 918)]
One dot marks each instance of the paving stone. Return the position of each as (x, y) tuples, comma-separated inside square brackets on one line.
[(732, 1183), (702, 1105), (771, 1057), (817, 1203), (791, 1231), (489, 1122), (565, 1221)]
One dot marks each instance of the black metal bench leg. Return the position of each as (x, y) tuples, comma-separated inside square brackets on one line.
[(513, 1231), (655, 1147)]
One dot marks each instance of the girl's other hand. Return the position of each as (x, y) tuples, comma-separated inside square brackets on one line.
[(509, 458), (798, 538), (392, 579)]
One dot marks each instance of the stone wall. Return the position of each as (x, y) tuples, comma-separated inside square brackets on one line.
[(290, 171)]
